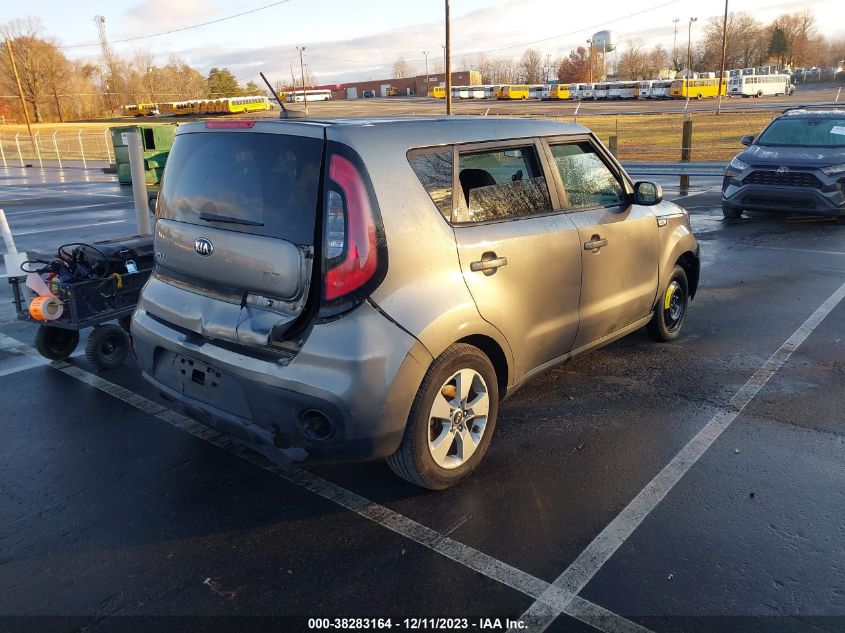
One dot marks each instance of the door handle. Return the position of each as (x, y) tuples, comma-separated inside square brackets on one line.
[(595, 244), (488, 263)]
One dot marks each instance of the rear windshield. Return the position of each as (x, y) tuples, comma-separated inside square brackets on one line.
[(265, 184), (815, 132)]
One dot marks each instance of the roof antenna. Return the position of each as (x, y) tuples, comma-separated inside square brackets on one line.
[(284, 113)]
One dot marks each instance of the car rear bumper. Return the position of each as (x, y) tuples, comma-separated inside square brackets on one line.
[(779, 199), (360, 372)]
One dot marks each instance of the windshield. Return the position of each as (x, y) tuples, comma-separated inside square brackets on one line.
[(815, 132), (265, 184)]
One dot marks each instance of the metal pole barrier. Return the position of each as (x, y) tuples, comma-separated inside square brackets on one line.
[(18, 143), (7, 235), (613, 145), (37, 150), (56, 147), (2, 153), (108, 151), (139, 183), (686, 154), (81, 149)]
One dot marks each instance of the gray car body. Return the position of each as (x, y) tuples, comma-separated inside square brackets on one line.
[(825, 197), (364, 369)]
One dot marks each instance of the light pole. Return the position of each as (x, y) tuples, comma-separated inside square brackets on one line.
[(448, 52), (724, 55), (302, 70), (590, 53), (675, 44), (689, 53), (426, 72)]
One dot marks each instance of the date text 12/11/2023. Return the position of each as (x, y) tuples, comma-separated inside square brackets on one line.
[(416, 624)]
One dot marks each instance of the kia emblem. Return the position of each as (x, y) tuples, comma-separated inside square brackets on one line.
[(203, 246)]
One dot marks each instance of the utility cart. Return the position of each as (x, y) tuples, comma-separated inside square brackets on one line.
[(93, 303)]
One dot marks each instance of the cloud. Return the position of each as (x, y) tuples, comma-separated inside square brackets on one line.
[(163, 15)]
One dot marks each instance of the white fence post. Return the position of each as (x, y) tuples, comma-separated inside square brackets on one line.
[(81, 149), (18, 143), (2, 153), (35, 140), (139, 183), (56, 147), (108, 151)]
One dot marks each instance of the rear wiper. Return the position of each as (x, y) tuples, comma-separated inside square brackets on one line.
[(213, 217)]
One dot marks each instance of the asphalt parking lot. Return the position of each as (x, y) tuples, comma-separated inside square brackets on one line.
[(691, 486)]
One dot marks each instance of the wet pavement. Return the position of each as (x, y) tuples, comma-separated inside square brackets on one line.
[(117, 515)]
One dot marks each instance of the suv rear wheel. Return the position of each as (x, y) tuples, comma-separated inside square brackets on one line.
[(451, 421), (731, 213)]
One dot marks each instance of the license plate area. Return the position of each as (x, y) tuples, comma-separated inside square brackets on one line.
[(199, 380)]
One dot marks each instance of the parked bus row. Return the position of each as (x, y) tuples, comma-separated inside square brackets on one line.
[(706, 87), (224, 105)]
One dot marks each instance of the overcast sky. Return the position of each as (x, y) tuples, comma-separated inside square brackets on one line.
[(360, 39)]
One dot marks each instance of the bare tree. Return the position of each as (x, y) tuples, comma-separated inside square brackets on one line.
[(633, 62), (503, 71), (401, 69), (530, 66), (32, 58)]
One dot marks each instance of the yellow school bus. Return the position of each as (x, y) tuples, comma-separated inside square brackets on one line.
[(559, 91), (246, 104), (437, 92), (696, 88), (519, 91)]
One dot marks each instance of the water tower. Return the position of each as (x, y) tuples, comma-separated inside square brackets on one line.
[(603, 42)]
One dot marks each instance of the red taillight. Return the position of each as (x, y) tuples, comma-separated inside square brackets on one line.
[(230, 124), (360, 261)]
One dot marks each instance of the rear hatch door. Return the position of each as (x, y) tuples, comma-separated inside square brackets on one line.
[(237, 222)]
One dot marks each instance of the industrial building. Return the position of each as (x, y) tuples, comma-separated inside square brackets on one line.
[(406, 86)]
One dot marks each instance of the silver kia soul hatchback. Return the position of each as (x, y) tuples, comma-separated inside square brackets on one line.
[(373, 288)]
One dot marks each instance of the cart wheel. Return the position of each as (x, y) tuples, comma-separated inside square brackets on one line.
[(55, 343), (107, 347), (124, 322)]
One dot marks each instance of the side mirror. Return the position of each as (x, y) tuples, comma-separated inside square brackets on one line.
[(647, 193), (747, 140)]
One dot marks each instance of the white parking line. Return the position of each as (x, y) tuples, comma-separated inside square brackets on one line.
[(800, 250), (552, 599), (598, 552)]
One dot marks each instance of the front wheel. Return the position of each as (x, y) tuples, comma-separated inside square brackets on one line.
[(669, 314), (731, 213), (451, 421)]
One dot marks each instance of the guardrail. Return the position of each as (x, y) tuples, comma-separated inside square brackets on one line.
[(675, 169)]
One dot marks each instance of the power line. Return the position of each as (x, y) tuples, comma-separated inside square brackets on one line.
[(184, 28)]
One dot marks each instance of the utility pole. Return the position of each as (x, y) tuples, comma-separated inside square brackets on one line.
[(448, 52), (724, 54), (590, 53), (292, 81), (100, 21), (426, 72), (302, 70), (20, 94), (675, 44), (689, 54)]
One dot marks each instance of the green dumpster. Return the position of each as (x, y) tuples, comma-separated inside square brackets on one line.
[(156, 141)]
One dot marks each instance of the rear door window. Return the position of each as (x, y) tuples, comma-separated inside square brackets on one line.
[(500, 184), (434, 170), (266, 184)]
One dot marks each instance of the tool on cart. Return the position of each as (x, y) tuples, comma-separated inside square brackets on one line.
[(85, 285)]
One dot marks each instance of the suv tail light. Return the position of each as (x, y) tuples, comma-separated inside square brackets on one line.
[(352, 251)]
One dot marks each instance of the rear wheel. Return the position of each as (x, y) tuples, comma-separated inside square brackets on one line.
[(55, 343), (107, 347), (669, 315), (451, 421), (699, 96)]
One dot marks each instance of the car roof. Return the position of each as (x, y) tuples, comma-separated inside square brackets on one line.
[(447, 128), (804, 112)]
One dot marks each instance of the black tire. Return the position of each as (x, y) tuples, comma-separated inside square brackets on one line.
[(125, 322), (731, 213), (55, 343), (107, 347), (670, 312), (699, 96), (413, 460)]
